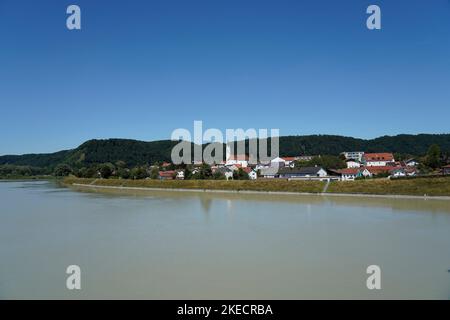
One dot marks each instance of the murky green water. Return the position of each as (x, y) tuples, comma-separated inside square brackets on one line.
[(180, 246)]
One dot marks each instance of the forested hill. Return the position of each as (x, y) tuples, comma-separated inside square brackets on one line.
[(134, 152)]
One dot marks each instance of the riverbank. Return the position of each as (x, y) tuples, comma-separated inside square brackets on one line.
[(221, 185), (438, 188)]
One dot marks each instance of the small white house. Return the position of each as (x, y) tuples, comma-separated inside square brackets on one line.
[(352, 163), (411, 163), (396, 173), (351, 174), (226, 171), (180, 175)]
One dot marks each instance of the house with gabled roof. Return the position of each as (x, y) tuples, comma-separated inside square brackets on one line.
[(378, 159), (350, 174), (302, 172)]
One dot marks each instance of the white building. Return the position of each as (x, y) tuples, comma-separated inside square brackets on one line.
[(289, 161), (352, 163), (378, 159), (396, 173), (304, 158), (355, 155), (238, 159), (180, 175), (351, 174), (411, 163), (283, 161)]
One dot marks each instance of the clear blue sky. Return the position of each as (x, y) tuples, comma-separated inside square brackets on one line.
[(140, 69)]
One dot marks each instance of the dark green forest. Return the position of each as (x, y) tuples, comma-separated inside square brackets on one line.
[(136, 153)]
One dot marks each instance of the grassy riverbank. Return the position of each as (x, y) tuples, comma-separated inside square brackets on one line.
[(436, 186), (250, 185), (439, 186)]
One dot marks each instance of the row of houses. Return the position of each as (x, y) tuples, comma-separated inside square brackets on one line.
[(366, 165), (234, 163), (359, 165), (347, 174), (243, 160), (368, 172), (226, 170), (360, 159)]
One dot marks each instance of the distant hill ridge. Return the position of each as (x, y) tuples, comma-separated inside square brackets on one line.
[(134, 152)]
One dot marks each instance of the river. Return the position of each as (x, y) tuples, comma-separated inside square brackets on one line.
[(175, 245)]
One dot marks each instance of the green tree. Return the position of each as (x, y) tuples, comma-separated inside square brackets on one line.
[(139, 173), (203, 173), (433, 158), (326, 162), (123, 173), (218, 176), (106, 170), (62, 170), (121, 164), (187, 174), (240, 174), (154, 173), (92, 172)]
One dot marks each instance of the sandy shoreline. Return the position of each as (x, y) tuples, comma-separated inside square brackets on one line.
[(264, 192)]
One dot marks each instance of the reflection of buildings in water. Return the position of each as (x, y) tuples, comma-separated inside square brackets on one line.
[(308, 209), (230, 209), (206, 206)]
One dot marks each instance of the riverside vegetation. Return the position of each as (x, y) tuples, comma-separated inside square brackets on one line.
[(435, 186), (119, 162)]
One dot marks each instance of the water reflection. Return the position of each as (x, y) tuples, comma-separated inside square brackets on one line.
[(396, 204)]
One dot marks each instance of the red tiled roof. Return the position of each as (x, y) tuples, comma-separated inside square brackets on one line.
[(379, 156), (288, 158), (380, 169), (167, 173), (349, 171)]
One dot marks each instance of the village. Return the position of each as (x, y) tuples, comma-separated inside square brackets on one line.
[(359, 165)]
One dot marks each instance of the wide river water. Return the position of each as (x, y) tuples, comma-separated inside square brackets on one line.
[(175, 245)]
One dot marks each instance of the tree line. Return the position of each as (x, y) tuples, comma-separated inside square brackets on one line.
[(138, 154)]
